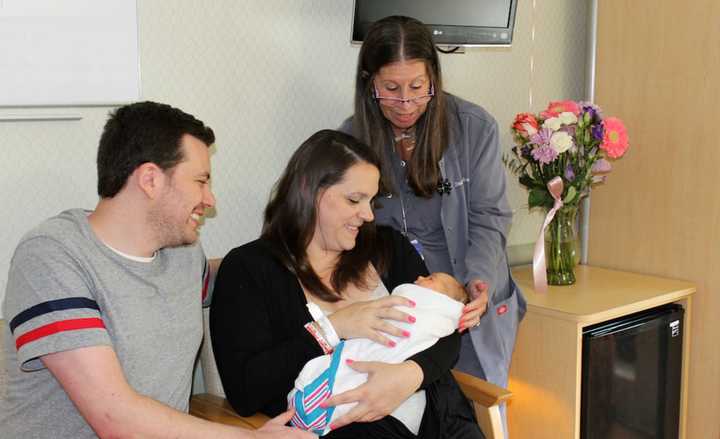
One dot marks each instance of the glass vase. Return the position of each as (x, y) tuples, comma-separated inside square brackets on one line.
[(561, 247)]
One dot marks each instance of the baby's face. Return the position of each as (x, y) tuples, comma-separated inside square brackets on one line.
[(432, 282), (443, 283)]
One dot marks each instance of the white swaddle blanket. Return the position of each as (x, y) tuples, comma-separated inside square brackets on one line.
[(436, 315)]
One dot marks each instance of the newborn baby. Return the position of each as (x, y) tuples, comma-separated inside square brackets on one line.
[(439, 302)]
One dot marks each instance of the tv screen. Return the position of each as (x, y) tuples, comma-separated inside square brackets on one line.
[(451, 22)]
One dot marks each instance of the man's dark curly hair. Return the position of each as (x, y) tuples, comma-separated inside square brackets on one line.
[(143, 132)]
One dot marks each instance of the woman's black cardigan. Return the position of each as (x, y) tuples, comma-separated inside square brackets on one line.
[(257, 320)]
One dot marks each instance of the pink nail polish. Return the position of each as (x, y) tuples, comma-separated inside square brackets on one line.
[(406, 333), (391, 344), (412, 303), (323, 405), (348, 361), (332, 427), (411, 319)]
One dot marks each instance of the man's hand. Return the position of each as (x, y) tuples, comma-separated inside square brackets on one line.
[(276, 429), (94, 381)]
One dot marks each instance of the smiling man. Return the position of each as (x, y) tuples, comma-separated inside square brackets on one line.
[(104, 306)]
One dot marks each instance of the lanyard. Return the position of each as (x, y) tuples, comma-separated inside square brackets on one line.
[(403, 215)]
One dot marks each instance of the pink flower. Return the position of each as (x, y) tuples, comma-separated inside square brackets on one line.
[(555, 108), (615, 139), (525, 125)]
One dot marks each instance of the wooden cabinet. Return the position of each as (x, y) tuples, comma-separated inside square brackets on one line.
[(658, 69), (546, 368)]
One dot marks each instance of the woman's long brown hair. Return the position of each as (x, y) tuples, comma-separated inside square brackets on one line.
[(291, 214), (389, 40)]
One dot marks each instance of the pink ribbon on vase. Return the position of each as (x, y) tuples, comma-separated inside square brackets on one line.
[(555, 187)]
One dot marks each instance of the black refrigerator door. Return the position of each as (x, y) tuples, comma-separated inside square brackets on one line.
[(631, 376)]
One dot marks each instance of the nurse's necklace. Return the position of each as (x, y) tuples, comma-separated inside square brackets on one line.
[(406, 139), (405, 143)]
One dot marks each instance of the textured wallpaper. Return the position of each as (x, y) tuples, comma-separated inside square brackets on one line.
[(265, 75)]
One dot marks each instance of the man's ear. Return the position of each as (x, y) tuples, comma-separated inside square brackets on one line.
[(150, 179)]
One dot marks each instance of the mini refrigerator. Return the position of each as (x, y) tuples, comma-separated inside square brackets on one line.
[(631, 372)]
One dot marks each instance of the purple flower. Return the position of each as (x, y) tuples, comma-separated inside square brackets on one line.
[(544, 154), (570, 129), (569, 173), (541, 138), (601, 166), (593, 112), (526, 151), (597, 131)]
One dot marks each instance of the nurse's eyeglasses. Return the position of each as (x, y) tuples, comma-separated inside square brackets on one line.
[(392, 101)]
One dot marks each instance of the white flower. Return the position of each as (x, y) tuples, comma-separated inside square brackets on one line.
[(552, 123), (567, 118), (561, 141)]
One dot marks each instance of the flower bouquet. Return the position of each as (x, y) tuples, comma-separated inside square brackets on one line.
[(559, 155)]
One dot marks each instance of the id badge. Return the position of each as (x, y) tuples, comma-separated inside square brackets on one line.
[(418, 248)]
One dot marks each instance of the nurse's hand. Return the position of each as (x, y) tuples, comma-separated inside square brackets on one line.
[(478, 292), (388, 386)]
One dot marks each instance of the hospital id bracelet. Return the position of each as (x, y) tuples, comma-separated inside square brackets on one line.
[(328, 331), (314, 330)]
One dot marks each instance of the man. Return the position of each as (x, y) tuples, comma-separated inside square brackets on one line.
[(104, 306)]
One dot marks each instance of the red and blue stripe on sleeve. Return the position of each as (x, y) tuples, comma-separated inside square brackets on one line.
[(205, 284), (57, 326)]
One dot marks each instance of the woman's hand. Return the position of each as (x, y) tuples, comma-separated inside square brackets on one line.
[(367, 319), (388, 386), (478, 292)]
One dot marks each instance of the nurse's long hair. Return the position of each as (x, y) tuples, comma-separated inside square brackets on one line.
[(392, 39), (291, 214)]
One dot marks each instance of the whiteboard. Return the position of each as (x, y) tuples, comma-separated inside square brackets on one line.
[(68, 52)]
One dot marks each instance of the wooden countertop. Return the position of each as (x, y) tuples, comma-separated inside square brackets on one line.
[(601, 294)]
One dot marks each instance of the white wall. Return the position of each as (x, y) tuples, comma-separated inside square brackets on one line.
[(265, 75)]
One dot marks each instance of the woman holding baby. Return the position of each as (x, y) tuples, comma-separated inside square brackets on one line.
[(320, 272), (347, 223)]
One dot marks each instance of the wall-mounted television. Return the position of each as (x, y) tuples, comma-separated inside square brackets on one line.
[(452, 22)]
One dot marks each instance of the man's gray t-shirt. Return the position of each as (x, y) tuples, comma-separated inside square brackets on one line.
[(67, 290)]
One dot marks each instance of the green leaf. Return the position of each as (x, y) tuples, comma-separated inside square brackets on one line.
[(539, 198), (513, 164), (529, 182), (570, 196)]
